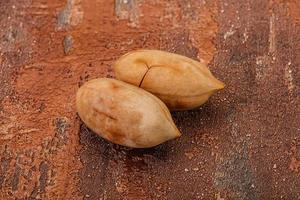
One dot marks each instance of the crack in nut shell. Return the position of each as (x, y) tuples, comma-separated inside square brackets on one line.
[(125, 114), (180, 82)]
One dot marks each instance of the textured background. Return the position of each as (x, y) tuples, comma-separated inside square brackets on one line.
[(243, 144)]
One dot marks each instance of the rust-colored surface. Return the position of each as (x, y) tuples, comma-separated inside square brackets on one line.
[(243, 144)]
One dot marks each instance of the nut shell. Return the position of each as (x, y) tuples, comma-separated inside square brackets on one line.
[(180, 82), (124, 114)]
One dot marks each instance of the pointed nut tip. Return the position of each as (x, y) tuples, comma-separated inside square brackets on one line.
[(220, 85), (178, 134)]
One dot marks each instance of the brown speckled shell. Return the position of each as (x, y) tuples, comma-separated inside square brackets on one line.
[(180, 82), (124, 114)]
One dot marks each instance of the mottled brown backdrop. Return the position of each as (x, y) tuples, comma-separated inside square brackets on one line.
[(243, 144)]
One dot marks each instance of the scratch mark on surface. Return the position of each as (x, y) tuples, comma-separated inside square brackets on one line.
[(272, 35), (29, 130), (289, 78), (261, 68), (36, 13), (246, 36)]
